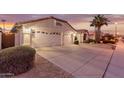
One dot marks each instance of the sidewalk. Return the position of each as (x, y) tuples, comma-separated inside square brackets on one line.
[(116, 67)]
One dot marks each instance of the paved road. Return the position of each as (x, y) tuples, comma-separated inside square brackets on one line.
[(116, 67), (80, 61)]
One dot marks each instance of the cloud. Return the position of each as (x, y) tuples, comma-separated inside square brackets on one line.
[(77, 20), (69, 17)]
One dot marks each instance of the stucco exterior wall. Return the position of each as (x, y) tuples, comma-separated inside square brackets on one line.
[(46, 26), (17, 39), (80, 37)]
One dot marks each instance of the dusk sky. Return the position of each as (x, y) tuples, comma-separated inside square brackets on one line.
[(78, 21)]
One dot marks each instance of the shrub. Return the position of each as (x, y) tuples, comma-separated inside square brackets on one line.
[(89, 41), (108, 38), (92, 40), (109, 41), (76, 41), (86, 41), (16, 60)]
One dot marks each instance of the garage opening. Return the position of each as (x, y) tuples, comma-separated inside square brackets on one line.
[(43, 39)]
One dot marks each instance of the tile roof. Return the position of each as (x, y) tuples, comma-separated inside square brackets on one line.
[(41, 19)]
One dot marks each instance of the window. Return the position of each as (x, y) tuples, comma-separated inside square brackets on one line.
[(57, 33), (33, 33), (43, 32), (38, 31)]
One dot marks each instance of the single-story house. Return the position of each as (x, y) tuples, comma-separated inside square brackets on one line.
[(83, 35), (92, 35), (49, 31)]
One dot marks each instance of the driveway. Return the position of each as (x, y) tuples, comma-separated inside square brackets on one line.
[(116, 66), (81, 61)]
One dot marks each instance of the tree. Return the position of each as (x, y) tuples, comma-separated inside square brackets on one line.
[(16, 28), (3, 20), (98, 22)]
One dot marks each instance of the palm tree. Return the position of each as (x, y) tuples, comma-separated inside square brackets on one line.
[(98, 22)]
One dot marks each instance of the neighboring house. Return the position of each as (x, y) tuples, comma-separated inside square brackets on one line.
[(48, 31), (83, 35), (92, 35)]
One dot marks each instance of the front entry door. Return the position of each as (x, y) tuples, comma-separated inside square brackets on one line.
[(84, 36)]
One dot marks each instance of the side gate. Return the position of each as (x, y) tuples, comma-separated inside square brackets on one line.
[(8, 40)]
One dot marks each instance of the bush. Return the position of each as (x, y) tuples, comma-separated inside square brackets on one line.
[(109, 41), (108, 38), (16, 60), (89, 41), (86, 41), (76, 42), (92, 40)]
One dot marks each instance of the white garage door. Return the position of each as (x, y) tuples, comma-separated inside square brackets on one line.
[(68, 39), (42, 39)]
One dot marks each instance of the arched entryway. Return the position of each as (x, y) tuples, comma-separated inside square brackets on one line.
[(85, 37)]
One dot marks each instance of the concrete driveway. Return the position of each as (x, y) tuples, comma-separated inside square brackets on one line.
[(116, 66), (80, 61)]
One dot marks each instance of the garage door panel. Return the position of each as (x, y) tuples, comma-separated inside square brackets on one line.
[(26, 39), (42, 40), (67, 39)]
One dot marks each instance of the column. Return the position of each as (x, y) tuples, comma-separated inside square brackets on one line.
[(17, 39), (62, 39), (21, 38)]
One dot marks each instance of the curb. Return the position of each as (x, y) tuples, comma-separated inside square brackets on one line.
[(114, 48)]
